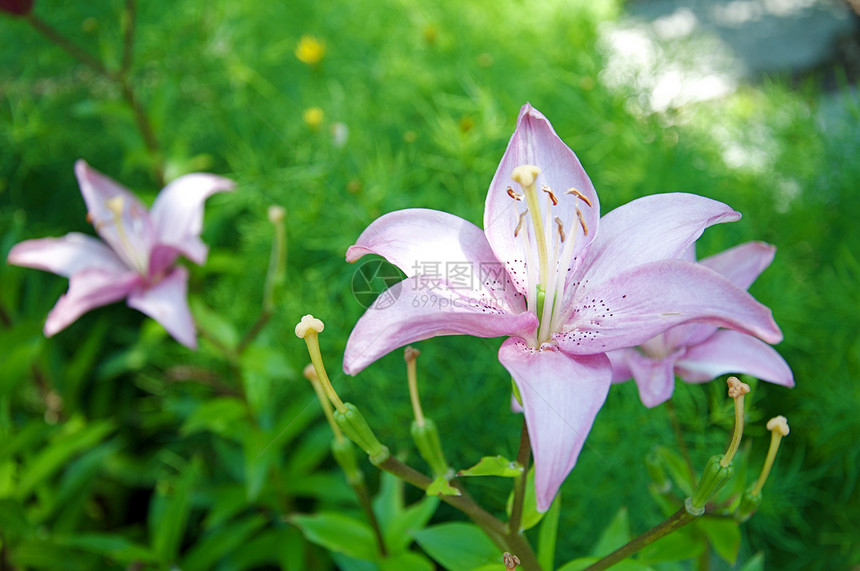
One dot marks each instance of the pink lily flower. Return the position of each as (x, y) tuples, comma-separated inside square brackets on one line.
[(698, 352), (564, 293), (136, 259)]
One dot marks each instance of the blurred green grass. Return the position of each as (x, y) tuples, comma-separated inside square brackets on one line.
[(429, 94)]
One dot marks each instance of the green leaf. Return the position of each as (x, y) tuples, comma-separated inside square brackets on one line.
[(73, 437), (677, 468), (441, 487), (756, 563), (677, 546), (13, 519), (398, 531), (220, 416), (625, 565), (169, 510), (337, 532), (458, 546), (531, 517), (116, 547), (724, 534), (493, 466), (407, 561), (221, 542), (616, 534), (548, 534)]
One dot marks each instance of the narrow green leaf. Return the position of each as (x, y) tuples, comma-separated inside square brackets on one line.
[(724, 534), (677, 546), (441, 487), (398, 531), (116, 547), (337, 532), (458, 546), (677, 468), (493, 466), (222, 416), (616, 534), (625, 565), (548, 535), (221, 542), (408, 561), (168, 513)]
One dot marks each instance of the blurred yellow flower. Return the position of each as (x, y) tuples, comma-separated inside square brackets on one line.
[(313, 116), (310, 50)]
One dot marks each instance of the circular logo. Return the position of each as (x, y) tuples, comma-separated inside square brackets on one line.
[(372, 284)]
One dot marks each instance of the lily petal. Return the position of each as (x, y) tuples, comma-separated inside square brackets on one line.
[(733, 352), (535, 142), (561, 396), (743, 263), (177, 213), (651, 228), (167, 303), (637, 304), (118, 216), (411, 238), (403, 315), (66, 256), (655, 378), (88, 289)]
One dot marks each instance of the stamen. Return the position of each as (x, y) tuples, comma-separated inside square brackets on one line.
[(89, 217), (582, 222), (514, 195), (552, 197), (560, 227), (579, 195), (520, 223)]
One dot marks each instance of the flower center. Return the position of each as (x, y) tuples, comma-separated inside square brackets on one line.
[(548, 244), (125, 244)]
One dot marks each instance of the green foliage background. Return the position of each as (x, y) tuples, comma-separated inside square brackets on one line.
[(118, 446)]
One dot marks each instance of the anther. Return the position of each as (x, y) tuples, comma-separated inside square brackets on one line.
[(520, 223), (514, 195), (548, 190), (582, 222), (579, 195), (560, 227), (89, 217)]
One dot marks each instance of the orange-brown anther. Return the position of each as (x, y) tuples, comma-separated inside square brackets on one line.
[(552, 197), (560, 227), (579, 195), (520, 224), (514, 195), (582, 222)]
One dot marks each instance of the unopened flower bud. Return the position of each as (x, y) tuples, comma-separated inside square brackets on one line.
[(356, 428)]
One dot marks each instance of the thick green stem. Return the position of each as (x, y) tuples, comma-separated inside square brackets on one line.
[(676, 521), (364, 499)]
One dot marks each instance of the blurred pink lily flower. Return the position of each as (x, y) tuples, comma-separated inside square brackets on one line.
[(137, 254), (698, 352), (541, 274)]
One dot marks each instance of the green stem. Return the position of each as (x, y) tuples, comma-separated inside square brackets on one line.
[(130, 16), (520, 482), (495, 529), (364, 499), (55, 37), (676, 521)]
